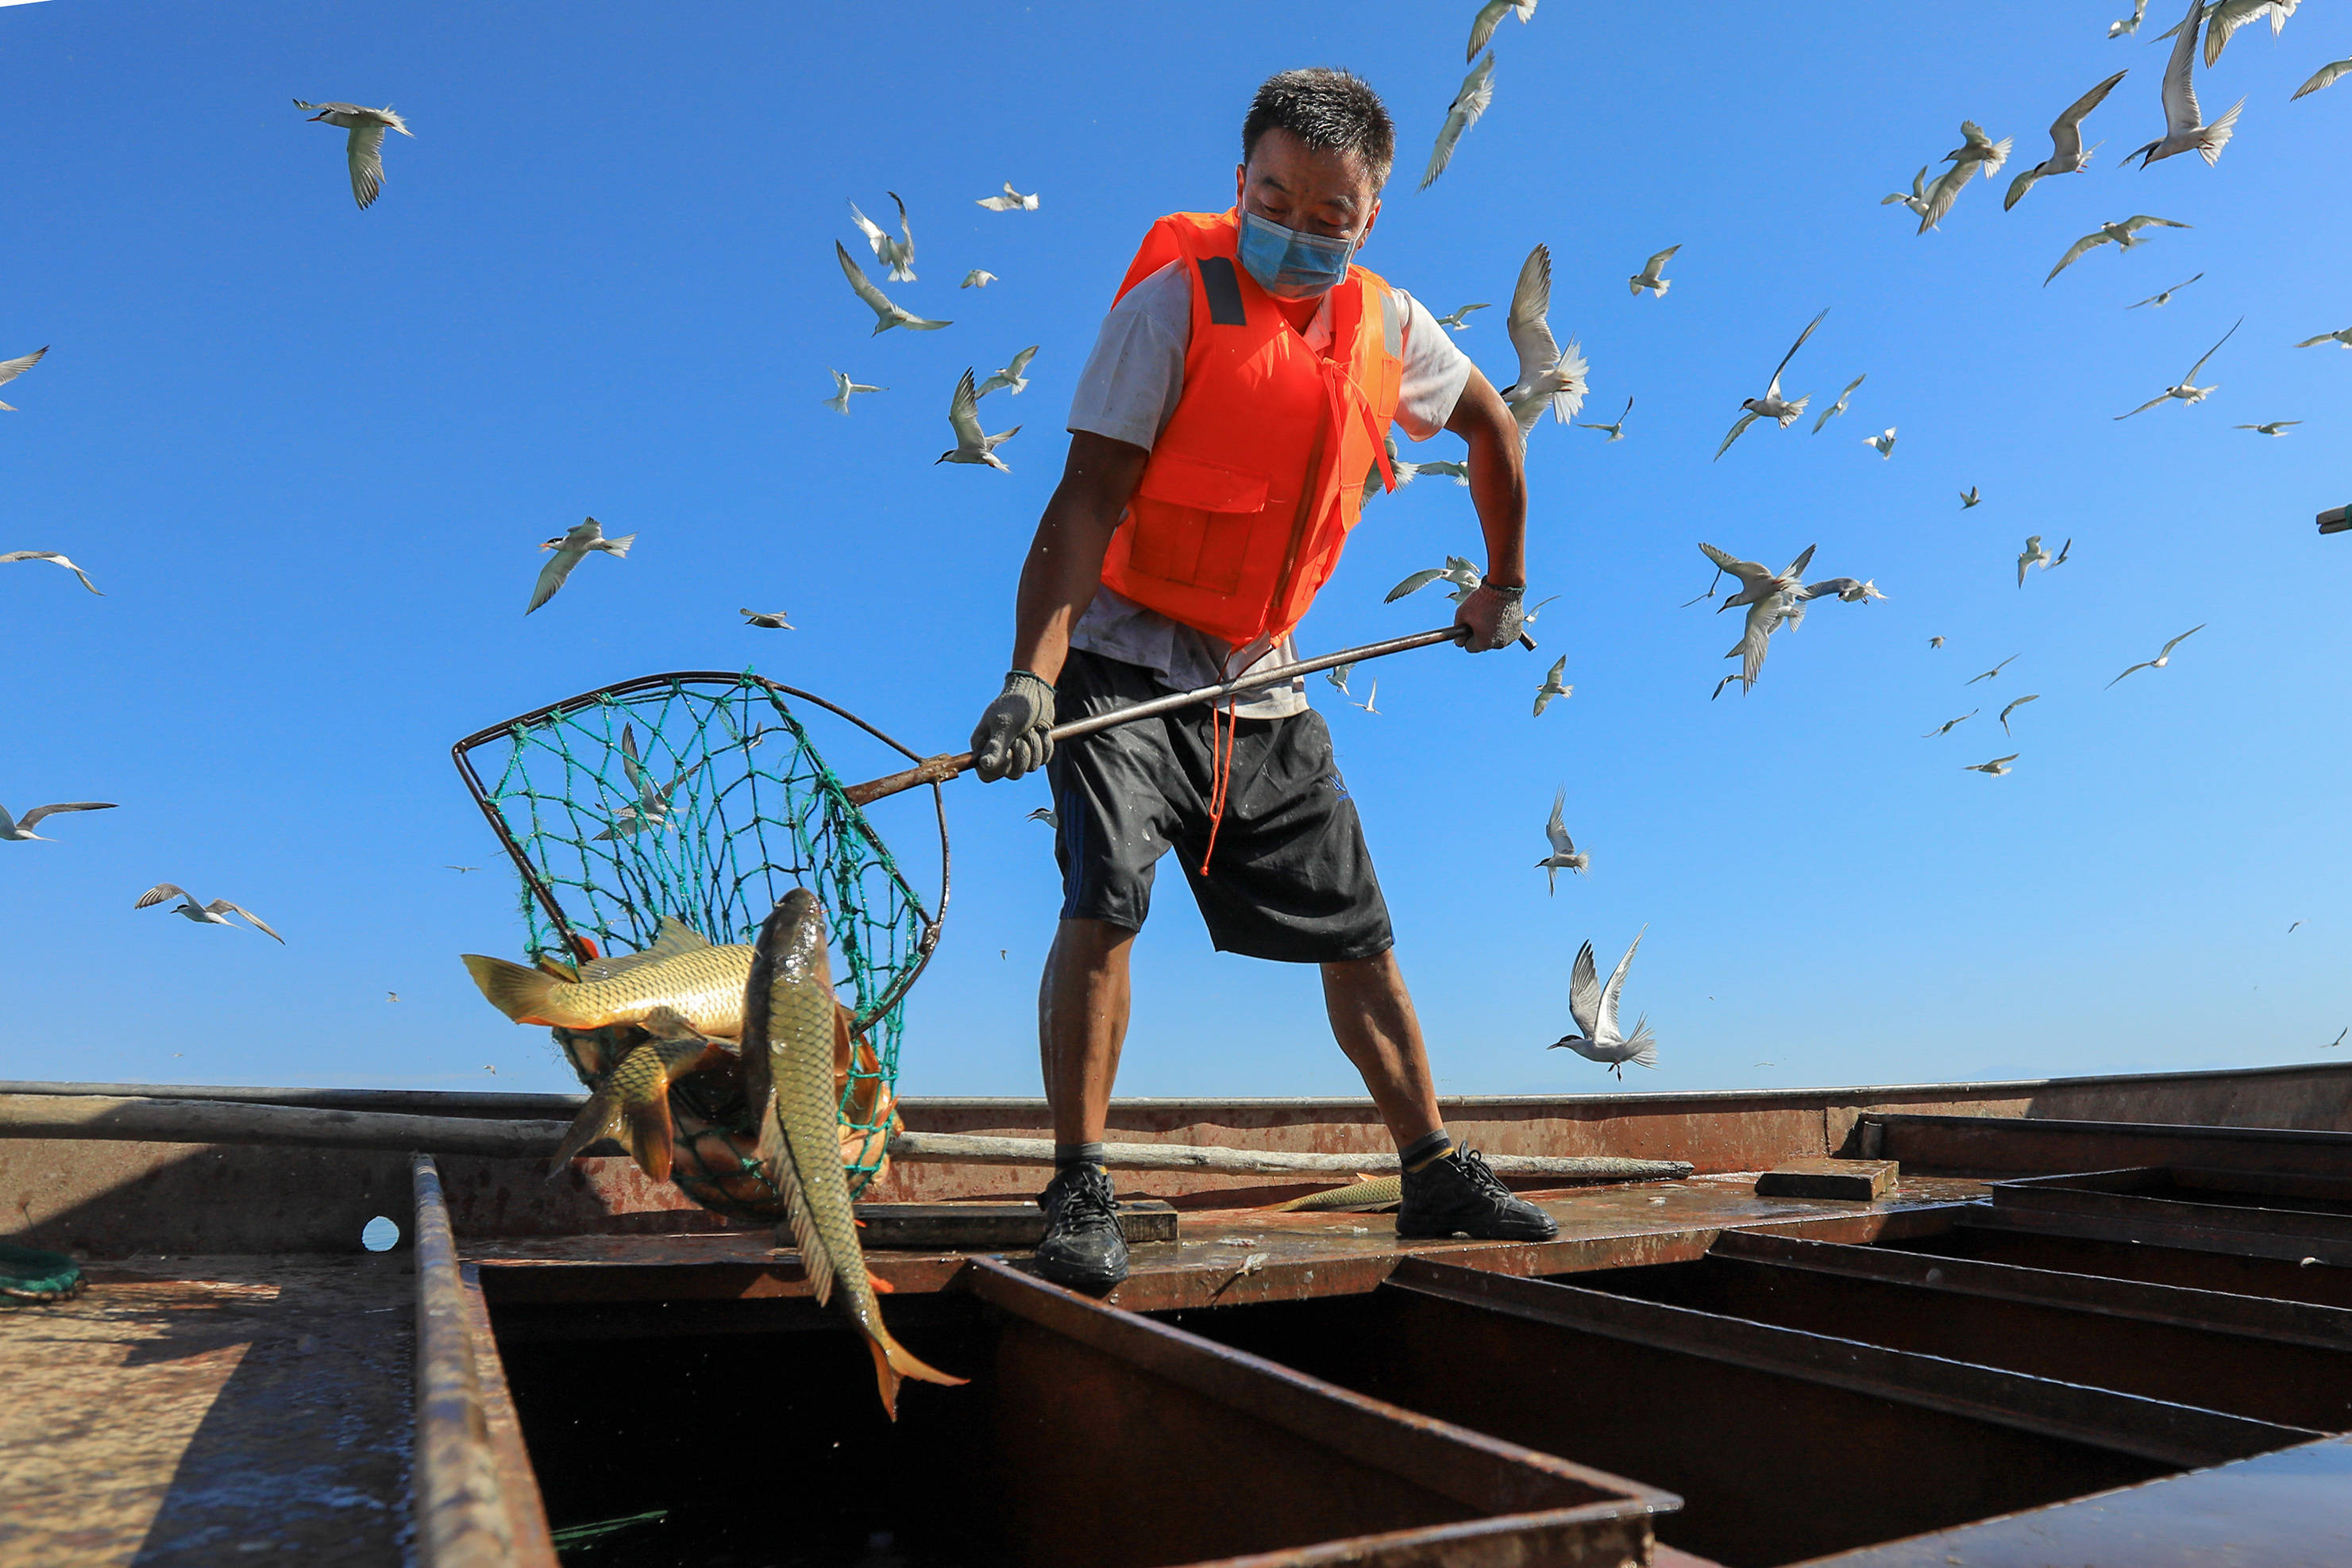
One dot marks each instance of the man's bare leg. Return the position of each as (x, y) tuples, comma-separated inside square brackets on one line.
[(1082, 1010), (1373, 1021)]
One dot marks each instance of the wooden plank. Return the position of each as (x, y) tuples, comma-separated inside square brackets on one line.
[(964, 1149), (1860, 1181), (991, 1227), (2336, 519)]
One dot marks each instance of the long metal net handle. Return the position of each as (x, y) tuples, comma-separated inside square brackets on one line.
[(932, 921)]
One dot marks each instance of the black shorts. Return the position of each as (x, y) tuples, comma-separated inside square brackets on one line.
[(1290, 879)]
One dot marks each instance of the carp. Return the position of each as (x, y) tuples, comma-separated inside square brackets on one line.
[(791, 1031), (634, 1097), (681, 971)]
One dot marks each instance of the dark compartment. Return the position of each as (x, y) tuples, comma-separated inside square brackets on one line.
[(1088, 1436), (1783, 1445)]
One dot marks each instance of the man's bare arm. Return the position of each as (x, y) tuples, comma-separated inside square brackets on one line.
[(1064, 564), (1498, 483)]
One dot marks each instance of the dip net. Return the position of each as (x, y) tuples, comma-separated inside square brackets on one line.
[(700, 796)]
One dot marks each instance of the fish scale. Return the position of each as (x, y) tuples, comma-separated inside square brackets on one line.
[(789, 1022), (702, 983)]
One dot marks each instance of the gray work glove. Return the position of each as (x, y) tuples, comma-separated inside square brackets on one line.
[(1011, 738), (1493, 615)]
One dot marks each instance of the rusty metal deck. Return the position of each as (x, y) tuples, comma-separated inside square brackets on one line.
[(210, 1409)]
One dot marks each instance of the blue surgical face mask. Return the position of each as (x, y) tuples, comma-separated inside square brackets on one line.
[(1289, 264)]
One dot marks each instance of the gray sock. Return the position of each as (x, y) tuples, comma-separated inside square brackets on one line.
[(1068, 1154), (1421, 1150)]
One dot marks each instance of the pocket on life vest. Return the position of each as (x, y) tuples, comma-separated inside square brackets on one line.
[(1192, 519)]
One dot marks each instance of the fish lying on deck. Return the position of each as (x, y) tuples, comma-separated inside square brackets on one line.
[(681, 971), (792, 1029), (1381, 1192), (633, 1099)]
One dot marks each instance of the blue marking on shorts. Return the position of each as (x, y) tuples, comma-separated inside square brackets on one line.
[(1337, 785)]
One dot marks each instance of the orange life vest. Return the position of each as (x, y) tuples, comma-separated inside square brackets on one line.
[(1250, 493)]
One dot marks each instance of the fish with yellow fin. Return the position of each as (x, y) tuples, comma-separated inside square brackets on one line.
[(681, 971), (792, 1029), (633, 1099)]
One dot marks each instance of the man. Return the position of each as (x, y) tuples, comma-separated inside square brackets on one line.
[(1224, 435)]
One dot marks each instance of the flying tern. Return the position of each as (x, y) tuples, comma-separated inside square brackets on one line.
[(364, 149), (2327, 75), (2129, 24), (216, 912), (1650, 277), (2125, 234), (1013, 378), (1011, 201), (1772, 405), (2032, 555), (1969, 497), (2029, 698), (1945, 728), (2164, 657), (1369, 698), (1617, 430), (19, 829), (2068, 155), (2185, 129), (1490, 16), (51, 555), (2272, 427), (1459, 320), (1551, 688), (1838, 407), (1847, 590), (1476, 92), (1989, 675), (1465, 576), (1997, 767), (1883, 443), (11, 369), (771, 622), (2186, 390), (1594, 1009), (2160, 300), (1565, 855), (977, 278), (1977, 148), (2343, 339), (972, 446), (1940, 195), (897, 254), (1757, 583), (1916, 199), (844, 389), (1548, 374), (888, 314), (571, 548)]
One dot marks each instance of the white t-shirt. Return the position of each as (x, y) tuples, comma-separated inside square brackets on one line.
[(1128, 391)]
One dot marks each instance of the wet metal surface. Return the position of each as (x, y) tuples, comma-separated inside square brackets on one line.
[(2286, 1510), (1301, 1255), (204, 1410)]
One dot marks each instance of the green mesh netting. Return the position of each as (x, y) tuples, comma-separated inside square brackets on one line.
[(32, 1274), (700, 797)]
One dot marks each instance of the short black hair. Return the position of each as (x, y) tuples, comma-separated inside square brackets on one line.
[(1330, 111)]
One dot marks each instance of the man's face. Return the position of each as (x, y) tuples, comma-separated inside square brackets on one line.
[(1288, 182)]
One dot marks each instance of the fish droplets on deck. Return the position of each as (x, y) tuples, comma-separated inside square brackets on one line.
[(789, 1040)]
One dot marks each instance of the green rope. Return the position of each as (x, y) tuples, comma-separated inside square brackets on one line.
[(707, 801)]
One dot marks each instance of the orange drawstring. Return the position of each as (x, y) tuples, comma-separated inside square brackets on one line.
[(1222, 738)]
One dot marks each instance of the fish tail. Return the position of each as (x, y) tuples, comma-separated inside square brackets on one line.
[(649, 1134), (523, 994), (585, 1129), (894, 1362)]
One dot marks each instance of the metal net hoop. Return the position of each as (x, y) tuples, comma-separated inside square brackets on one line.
[(698, 795)]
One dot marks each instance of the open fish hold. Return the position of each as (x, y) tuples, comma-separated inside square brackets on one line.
[(791, 1031), (681, 971)]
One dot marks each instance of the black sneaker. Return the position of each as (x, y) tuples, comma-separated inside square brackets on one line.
[(1456, 1195), (1084, 1249)]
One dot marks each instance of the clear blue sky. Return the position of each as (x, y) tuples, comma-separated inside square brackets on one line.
[(308, 452)]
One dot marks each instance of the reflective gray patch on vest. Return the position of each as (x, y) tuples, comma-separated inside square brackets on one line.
[(1391, 326), (1224, 288)]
